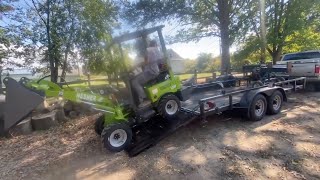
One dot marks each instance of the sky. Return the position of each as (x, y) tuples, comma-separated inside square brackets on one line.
[(189, 50), (186, 50)]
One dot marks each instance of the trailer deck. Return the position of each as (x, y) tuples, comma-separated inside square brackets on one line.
[(196, 107), (192, 104)]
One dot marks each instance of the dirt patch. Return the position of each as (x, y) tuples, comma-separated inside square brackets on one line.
[(284, 146)]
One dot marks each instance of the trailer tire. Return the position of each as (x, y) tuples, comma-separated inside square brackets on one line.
[(279, 79), (275, 102), (256, 84), (116, 137), (169, 106), (98, 125), (258, 108)]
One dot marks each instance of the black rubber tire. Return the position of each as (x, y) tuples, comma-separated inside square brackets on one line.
[(162, 106), (107, 132), (98, 125), (270, 109), (256, 84), (279, 79), (252, 109), (312, 87)]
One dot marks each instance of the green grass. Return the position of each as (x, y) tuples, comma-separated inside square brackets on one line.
[(93, 83), (200, 75), (101, 83)]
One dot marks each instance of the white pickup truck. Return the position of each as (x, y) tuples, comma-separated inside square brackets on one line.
[(303, 64)]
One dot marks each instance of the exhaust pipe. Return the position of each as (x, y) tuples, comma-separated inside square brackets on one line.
[(19, 103)]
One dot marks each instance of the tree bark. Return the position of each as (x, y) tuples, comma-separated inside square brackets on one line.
[(64, 68), (276, 56), (263, 31), (65, 64), (54, 74), (1, 90), (224, 19), (275, 53)]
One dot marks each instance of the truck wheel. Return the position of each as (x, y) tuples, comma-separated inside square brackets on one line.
[(275, 103), (311, 87), (258, 108), (116, 137), (98, 125), (169, 106), (256, 84)]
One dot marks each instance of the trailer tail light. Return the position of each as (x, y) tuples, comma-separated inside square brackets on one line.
[(209, 105), (317, 69)]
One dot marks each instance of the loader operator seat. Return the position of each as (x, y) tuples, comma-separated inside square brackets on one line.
[(163, 75), (160, 78)]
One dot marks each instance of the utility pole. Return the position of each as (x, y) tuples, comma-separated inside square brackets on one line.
[(263, 30)]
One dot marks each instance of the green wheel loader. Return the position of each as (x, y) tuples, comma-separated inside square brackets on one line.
[(120, 114)]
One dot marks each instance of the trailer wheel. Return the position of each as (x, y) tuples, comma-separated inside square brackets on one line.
[(275, 102), (98, 125), (279, 79), (169, 106), (116, 137), (258, 108), (256, 84)]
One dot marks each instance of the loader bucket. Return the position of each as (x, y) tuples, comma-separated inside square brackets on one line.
[(19, 102)]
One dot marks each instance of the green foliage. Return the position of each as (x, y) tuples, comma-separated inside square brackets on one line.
[(303, 40), (306, 39), (248, 53), (190, 66), (54, 33), (227, 19), (5, 6), (204, 63), (283, 19), (291, 26)]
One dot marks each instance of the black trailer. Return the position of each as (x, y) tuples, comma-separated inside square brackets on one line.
[(210, 98)]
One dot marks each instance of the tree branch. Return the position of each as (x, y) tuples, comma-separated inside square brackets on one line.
[(38, 12)]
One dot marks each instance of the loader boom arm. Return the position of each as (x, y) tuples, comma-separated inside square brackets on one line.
[(24, 96), (105, 104)]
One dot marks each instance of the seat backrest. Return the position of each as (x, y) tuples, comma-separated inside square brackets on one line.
[(160, 78)]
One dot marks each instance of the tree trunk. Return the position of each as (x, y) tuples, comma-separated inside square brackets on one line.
[(54, 76), (1, 91), (224, 19), (64, 71), (64, 65), (276, 55)]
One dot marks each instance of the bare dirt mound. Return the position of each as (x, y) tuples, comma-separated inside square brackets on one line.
[(284, 146)]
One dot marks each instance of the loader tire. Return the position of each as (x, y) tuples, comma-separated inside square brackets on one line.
[(169, 106), (116, 137), (98, 125)]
